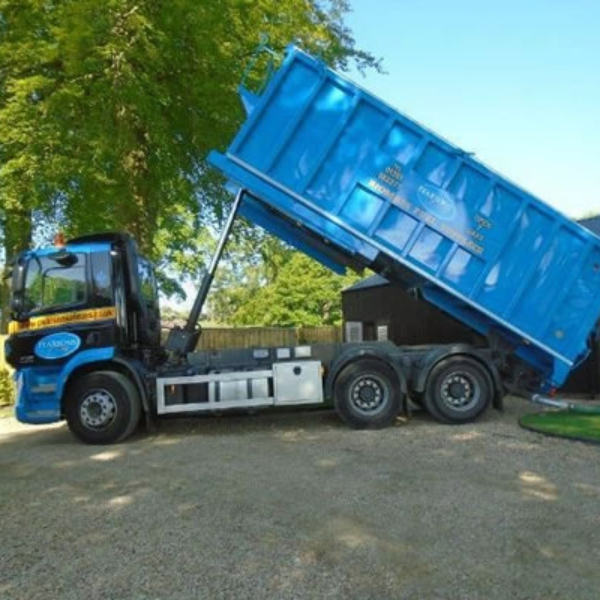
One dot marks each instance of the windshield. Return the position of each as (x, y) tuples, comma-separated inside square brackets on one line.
[(49, 284)]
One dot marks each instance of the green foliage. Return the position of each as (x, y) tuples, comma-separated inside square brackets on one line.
[(108, 110), (170, 317), (252, 260), (300, 292), (7, 389)]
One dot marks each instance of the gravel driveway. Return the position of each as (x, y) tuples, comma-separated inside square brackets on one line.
[(279, 506)]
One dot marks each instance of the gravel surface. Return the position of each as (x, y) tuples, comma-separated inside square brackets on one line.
[(280, 506)]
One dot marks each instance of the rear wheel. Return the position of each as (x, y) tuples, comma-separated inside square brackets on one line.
[(103, 407), (367, 394), (458, 390)]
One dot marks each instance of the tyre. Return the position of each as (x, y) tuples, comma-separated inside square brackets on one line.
[(458, 390), (103, 407), (367, 394)]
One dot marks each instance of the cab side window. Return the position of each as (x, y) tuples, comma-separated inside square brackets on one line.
[(147, 282), (102, 279)]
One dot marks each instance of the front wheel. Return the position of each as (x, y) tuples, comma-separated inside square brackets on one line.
[(103, 407), (367, 394), (458, 390)]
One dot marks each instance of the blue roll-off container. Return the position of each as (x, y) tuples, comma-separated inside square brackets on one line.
[(343, 176)]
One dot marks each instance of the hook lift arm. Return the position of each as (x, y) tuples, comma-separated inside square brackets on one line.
[(181, 341)]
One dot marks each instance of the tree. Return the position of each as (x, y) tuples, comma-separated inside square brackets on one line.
[(303, 292), (252, 260), (108, 110)]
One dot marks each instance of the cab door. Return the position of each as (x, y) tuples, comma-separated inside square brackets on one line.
[(149, 326)]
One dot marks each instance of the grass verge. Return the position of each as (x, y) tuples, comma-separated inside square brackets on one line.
[(564, 423)]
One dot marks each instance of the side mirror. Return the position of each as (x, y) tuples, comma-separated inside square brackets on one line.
[(17, 300)]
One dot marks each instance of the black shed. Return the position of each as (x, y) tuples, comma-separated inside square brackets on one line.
[(375, 309)]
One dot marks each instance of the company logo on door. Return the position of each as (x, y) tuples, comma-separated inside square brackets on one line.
[(57, 345), (437, 202)]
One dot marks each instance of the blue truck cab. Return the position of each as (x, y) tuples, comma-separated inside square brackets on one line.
[(88, 305)]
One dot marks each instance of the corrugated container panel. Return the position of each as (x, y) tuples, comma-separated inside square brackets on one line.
[(350, 180)]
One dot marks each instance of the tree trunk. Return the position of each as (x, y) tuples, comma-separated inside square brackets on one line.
[(143, 222), (141, 218)]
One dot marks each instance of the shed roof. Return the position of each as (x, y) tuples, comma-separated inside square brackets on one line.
[(591, 223), (369, 282)]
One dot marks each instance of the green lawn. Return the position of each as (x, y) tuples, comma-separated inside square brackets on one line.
[(565, 424)]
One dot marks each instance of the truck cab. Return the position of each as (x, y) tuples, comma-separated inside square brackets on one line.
[(88, 305)]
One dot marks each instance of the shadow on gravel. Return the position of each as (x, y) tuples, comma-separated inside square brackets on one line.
[(229, 424), (287, 425)]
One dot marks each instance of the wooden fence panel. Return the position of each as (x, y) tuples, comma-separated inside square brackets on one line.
[(266, 337), (246, 337), (326, 334)]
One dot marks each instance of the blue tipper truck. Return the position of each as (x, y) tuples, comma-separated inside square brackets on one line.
[(336, 172)]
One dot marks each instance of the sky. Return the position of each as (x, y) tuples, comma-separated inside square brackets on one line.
[(516, 82)]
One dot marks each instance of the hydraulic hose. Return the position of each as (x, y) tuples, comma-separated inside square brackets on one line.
[(575, 407)]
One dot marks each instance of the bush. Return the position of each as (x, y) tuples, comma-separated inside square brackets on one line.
[(7, 388)]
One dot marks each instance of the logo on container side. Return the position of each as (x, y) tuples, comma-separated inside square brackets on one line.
[(437, 202), (57, 345)]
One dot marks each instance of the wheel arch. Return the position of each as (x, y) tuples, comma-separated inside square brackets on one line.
[(128, 368), (353, 354), (460, 350)]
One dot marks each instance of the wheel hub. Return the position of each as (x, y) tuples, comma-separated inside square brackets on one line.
[(368, 394), (459, 391), (98, 409)]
